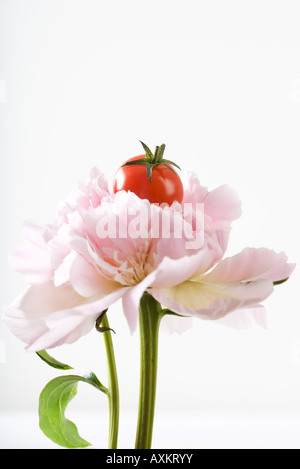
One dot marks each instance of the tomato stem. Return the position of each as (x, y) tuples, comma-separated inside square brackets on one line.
[(155, 158), (150, 160)]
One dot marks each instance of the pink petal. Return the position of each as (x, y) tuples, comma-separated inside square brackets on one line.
[(37, 233), (46, 316), (173, 271), (131, 300), (33, 259), (193, 191), (175, 324), (66, 329), (246, 318), (237, 282), (67, 326), (58, 246), (209, 301), (87, 281), (85, 195), (26, 316), (252, 264), (62, 273), (169, 272), (27, 329), (221, 204)]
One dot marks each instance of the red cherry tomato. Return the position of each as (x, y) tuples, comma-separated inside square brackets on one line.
[(165, 185)]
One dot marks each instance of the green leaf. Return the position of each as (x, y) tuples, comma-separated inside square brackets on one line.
[(52, 361), (160, 152), (278, 282), (169, 167), (53, 402), (94, 381), (149, 172), (148, 152), (140, 161), (168, 312), (170, 162)]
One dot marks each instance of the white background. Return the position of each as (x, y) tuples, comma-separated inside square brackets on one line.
[(81, 82)]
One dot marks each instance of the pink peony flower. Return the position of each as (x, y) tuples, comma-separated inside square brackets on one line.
[(99, 251)]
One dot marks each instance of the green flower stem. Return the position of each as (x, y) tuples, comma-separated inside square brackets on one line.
[(113, 387), (149, 318)]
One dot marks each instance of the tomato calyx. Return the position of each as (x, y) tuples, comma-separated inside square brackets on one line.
[(152, 160)]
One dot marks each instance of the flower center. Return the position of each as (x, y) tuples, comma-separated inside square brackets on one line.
[(128, 269), (138, 269)]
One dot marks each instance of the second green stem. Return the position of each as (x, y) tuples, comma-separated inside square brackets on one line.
[(113, 387)]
